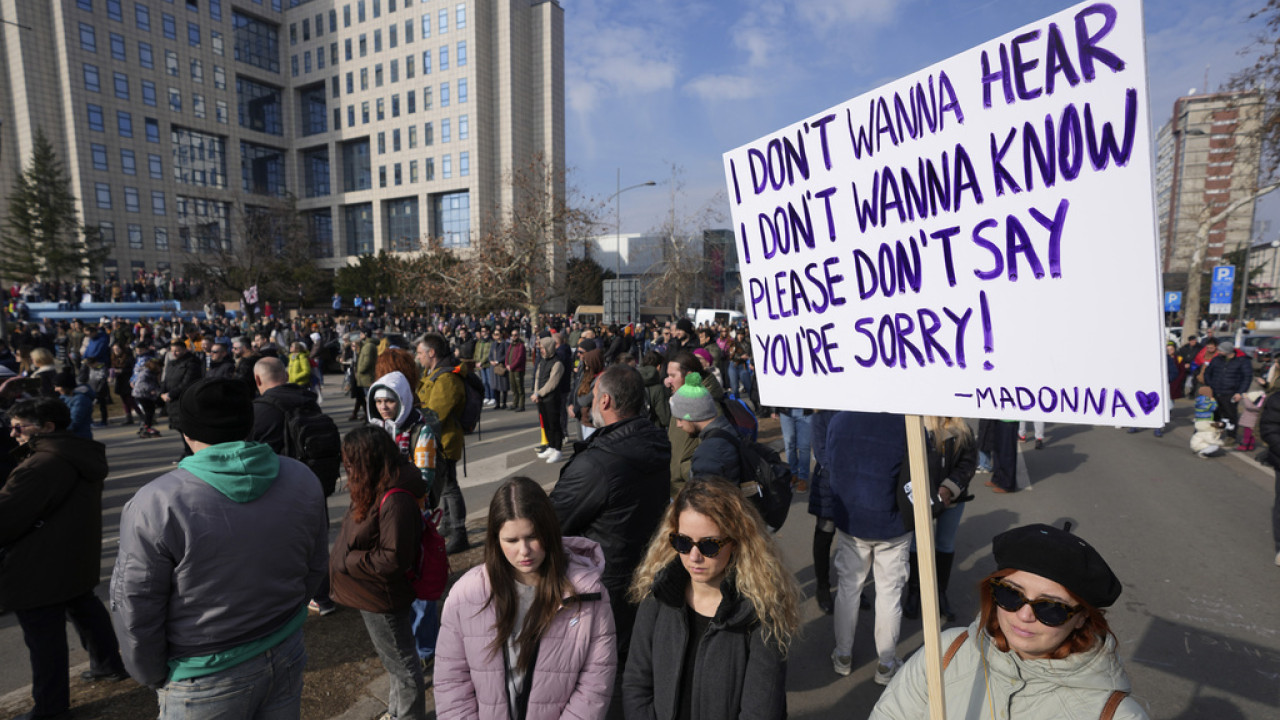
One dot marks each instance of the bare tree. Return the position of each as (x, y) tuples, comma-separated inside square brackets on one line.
[(1262, 78), (678, 277)]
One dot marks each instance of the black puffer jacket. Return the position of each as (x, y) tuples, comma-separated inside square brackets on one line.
[(57, 485), (738, 675), (614, 491), (1229, 376), (181, 374)]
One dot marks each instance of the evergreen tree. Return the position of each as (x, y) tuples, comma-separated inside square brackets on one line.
[(42, 237)]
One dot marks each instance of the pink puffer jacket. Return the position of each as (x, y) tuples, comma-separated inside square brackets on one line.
[(574, 673)]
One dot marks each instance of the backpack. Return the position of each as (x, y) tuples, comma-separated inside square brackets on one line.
[(430, 573), (311, 438), (766, 479), (741, 416), (474, 387)]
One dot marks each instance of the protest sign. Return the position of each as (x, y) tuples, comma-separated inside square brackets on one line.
[(976, 239)]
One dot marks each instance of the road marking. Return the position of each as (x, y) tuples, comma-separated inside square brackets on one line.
[(487, 470), (504, 436)]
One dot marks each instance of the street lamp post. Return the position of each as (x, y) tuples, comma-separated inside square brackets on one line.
[(617, 198)]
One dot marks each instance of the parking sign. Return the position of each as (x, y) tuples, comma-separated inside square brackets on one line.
[(1222, 290), (1173, 302)]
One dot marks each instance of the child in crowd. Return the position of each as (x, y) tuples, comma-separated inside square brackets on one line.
[(1207, 438)]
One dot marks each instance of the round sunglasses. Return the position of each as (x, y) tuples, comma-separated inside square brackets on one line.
[(1051, 613), (709, 547)]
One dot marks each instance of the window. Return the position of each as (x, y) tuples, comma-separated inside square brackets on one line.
[(155, 167), (452, 213), (314, 110), (128, 162), (88, 39), (408, 31), (131, 199), (293, 65), (91, 82), (175, 100), (171, 62), (124, 123), (443, 24), (395, 140), (444, 57), (215, 9), (429, 169), (346, 16), (446, 167), (145, 58), (321, 233), (162, 238), (426, 25), (169, 26), (460, 16), (428, 135), (142, 17), (315, 172), (364, 45), (413, 169), (347, 45), (337, 118), (197, 70), (220, 111), (351, 115), (382, 143), (444, 94), (157, 202), (463, 127), (117, 47), (215, 41), (153, 130), (464, 164), (319, 59), (377, 41), (199, 159), (219, 77), (395, 70), (85, 5), (358, 220), (306, 29), (395, 105), (356, 166), (377, 8), (382, 176), (135, 236), (408, 67), (462, 53), (333, 54), (203, 224), (364, 78), (197, 106), (121, 83), (401, 222), (382, 114), (95, 117), (261, 106), (462, 90), (261, 169), (334, 93), (351, 83), (391, 37), (193, 34), (306, 61), (114, 10), (411, 102), (445, 127), (257, 42), (99, 153), (413, 136), (107, 230), (426, 98), (377, 75), (426, 62), (333, 21)]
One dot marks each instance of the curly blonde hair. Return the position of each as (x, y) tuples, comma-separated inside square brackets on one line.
[(757, 567)]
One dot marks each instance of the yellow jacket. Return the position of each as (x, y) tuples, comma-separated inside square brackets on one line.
[(300, 369), (444, 392)]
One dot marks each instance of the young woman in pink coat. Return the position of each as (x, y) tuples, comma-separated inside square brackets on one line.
[(529, 634)]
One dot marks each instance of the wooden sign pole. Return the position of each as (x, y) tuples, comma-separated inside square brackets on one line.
[(921, 495)]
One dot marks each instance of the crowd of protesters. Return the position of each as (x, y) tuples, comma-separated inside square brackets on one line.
[(644, 585)]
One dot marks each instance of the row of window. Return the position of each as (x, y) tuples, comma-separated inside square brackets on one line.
[(91, 75), (146, 55), (115, 8), (102, 195), (451, 213), (459, 14), (107, 236)]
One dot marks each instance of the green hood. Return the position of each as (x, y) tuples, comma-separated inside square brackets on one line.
[(243, 471)]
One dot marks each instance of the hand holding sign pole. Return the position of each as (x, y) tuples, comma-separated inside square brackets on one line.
[(922, 247)]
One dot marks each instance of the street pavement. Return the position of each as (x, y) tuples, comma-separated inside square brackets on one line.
[(1198, 624)]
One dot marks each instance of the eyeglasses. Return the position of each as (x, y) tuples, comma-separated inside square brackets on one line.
[(1049, 612), (709, 547)]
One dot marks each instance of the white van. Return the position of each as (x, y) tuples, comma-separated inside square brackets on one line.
[(714, 316)]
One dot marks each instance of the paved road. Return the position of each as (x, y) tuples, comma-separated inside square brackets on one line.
[(1198, 624)]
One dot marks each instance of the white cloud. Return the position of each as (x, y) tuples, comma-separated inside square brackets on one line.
[(713, 88), (836, 14)]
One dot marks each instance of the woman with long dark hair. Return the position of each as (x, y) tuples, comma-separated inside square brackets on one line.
[(1041, 648), (529, 634), (379, 541), (717, 613)]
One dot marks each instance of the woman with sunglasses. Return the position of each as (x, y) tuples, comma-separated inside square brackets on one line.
[(717, 613), (1041, 647), (528, 635)]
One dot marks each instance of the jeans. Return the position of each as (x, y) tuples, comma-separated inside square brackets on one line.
[(740, 374), (945, 527), (984, 460), (392, 636), (426, 627), (455, 507), (854, 559), (797, 434), (44, 629), (486, 376), (267, 687)]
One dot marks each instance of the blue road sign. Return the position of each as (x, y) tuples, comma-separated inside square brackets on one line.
[(1173, 302), (1222, 290)]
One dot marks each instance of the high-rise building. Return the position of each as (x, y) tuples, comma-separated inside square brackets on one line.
[(387, 120), (1207, 157)]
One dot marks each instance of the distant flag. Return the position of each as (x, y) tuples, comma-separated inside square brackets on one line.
[(251, 295)]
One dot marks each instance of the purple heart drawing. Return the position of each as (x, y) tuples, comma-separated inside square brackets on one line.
[(1148, 401)]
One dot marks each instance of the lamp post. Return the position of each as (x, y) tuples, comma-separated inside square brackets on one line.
[(617, 198)]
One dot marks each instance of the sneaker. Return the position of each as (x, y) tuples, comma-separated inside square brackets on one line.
[(1022, 437), (323, 608), (1039, 443), (983, 471), (885, 673), (842, 664), (490, 403), (552, 457), (545, 452), (1158, 432)]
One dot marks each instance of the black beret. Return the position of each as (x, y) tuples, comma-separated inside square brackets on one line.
[(216, 410), (1061, 557), (586, 344), (684, 324)]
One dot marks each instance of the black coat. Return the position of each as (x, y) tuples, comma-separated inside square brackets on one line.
[(738, 675), (181, 374), (1269, 426), (1229, 376), (226, 367), (51, 521), (614, 491), (268, 420)]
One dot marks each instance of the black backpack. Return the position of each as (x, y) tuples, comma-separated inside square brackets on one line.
[(765, 480), (474, 387), (311, 438)]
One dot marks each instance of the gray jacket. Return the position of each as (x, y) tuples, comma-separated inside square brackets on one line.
[(199, 572)]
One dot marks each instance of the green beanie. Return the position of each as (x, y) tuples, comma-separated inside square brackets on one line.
[(691, 401)]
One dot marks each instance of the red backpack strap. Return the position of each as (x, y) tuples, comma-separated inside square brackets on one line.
[(1113, 702), (954, 648), (391, 492)]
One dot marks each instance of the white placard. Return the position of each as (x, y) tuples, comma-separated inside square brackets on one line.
[(976, 239)]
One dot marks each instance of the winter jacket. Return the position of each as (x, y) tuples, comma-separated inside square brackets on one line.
[(1269, 426), (822, 502), (1074, 688), (738, 675), (953, 468), (614, 491), (550, 372), (244, 370), (51, 521), (226, 367), (180, 374), (366, 363), (656, 395), (369, 558), (516, 357), (146, 384), (1229, 376), (444, 392), (719, 453), (80, 403), (300, 369), (574, 673), (225, 550), (866, 452), (269, 421)]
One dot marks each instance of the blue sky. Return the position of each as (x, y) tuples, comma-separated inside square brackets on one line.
[(660, 83)]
